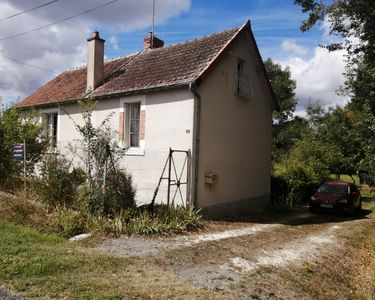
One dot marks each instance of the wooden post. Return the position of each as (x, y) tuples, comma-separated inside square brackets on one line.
[(24, 166)]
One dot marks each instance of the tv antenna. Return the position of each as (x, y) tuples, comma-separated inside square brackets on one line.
[(153, 24)]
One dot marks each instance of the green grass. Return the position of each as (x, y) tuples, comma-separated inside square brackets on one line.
[(43, 266), (369, 205)]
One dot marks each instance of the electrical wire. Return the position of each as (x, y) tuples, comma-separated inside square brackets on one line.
[(28, 10), (26, 64), (58, 22)]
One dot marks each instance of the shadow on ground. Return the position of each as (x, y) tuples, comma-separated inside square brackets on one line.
[(298, 216)]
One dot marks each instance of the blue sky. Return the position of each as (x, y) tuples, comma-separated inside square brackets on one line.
[(273, 21), (123, 24)]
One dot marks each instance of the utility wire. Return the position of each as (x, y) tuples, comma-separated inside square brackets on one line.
[(58, 22), (26, 64), (28, 10)]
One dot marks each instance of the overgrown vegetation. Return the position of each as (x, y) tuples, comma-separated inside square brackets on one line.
[(71, 200), (164, 220), (18, 128)]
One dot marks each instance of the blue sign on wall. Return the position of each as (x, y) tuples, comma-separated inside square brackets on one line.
[(18, 151)]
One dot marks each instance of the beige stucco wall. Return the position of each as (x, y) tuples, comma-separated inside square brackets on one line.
[(168, 123), (235, 136)]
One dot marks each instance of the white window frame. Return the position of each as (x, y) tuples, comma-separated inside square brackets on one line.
[(125, 104), (45, 115), (129, 119)]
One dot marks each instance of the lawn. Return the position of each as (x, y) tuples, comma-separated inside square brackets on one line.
[(38, 265)]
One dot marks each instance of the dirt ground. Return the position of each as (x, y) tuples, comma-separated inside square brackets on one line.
[(268, 256)]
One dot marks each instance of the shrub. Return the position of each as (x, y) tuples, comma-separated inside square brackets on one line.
[(69, 222), (163, 220), (16, 128), (117, 195), (57, 185)]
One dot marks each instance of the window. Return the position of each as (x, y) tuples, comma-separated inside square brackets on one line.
[(242, 84), (50, 128), (134, 122)]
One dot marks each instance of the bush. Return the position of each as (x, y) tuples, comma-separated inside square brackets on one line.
[(117, 195), (285, 192), (57, 185), (120, 193), (69, 222)]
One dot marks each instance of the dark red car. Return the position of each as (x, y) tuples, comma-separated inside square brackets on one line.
[(339, 196)]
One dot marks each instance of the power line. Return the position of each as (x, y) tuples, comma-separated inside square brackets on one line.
[(58, 22), (26, 64), (28, 10)]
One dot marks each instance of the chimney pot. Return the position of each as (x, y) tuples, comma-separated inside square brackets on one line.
[(156, 42)]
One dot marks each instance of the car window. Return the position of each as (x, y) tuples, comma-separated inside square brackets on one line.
[(333, 189)]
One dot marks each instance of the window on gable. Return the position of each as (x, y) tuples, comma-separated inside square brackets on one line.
[(242, 84), (134, 122), (50, 128)]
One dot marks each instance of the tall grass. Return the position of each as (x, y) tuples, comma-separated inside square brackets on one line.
[(163, 220)]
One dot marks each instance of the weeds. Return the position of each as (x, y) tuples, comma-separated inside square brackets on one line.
[(164, 220)]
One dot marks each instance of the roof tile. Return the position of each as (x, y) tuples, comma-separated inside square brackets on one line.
[(151, 68)]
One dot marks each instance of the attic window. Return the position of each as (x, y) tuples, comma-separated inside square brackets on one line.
[(242, 84)]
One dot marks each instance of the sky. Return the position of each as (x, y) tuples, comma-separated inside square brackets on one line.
[(29, 60)]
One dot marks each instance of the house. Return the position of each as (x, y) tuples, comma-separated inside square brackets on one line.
[(210, 97)]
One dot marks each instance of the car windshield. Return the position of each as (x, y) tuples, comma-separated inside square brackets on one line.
[(333, 189)]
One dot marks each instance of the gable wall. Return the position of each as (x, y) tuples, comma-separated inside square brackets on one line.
[(235, 137)]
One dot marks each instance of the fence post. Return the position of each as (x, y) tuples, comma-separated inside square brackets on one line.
[(169, 175)]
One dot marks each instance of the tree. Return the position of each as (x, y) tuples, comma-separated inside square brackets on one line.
[(17, 128), (109, 188), (286, 134), (353, 21), (284, 88)]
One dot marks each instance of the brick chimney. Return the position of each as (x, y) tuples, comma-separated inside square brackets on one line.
[(157, 43), (95, 61)]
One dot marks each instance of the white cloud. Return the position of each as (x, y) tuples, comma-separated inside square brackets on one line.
[(113, 41), (318, 77), (64, 45), (292, 47)]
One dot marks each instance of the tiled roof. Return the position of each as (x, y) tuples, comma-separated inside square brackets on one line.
[(166, 67)]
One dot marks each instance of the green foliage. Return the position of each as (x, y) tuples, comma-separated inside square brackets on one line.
[(57, 185), (119, 191), (285, 135), (163, 220), (301, 169), (284, 89), (15, 128), (354, 23), (109, 188), (68, 222), (308, 161)]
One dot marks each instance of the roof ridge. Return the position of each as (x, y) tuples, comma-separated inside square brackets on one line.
[(108, 60), (236, 28)]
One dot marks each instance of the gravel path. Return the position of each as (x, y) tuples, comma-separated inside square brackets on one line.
[(224, 260), (5, 294)]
